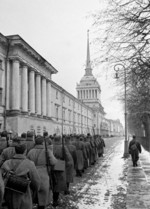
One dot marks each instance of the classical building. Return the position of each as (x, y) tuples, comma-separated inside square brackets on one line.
[(30, 100)]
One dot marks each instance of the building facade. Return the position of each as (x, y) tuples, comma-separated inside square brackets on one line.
[(31, 100)]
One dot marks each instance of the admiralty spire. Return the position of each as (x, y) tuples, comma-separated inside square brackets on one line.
[(89, 90)]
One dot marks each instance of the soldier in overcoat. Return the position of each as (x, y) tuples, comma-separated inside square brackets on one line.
[(1, 189), (38, 156), (62, 177), (80, 150), (22, 167), (3, 141), (92, 151), (9, 152), (70, 169), (88, 149), (71, 148), (85, 153)]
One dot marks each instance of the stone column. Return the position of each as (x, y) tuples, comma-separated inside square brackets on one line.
[(24, 89), (32, 91), (8, 86), (43, 96), (15, 86), (38, 94), (48, 99)]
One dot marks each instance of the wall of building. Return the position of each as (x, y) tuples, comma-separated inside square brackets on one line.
[(34, 101)]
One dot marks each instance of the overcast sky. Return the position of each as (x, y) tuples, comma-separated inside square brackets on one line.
[(57, 29)]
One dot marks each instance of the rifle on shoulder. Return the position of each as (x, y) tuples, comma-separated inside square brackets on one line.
[(48, 165)]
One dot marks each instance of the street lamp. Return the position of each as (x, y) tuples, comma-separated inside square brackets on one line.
[(117, 68)]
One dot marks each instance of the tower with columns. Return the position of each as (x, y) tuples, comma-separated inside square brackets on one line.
[(89, 92)]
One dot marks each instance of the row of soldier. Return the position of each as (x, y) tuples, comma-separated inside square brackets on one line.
[(50, 162)]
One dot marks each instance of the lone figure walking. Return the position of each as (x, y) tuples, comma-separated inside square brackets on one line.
[(134, 150)]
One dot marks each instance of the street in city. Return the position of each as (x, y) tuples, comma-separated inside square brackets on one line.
[(104, 185)]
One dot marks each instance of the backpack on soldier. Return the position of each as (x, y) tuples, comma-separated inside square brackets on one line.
[(133, 147), (16, 183)]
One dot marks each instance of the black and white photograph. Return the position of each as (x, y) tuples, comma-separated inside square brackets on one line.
[(74, 104)]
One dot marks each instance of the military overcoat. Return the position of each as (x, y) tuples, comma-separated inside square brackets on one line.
[(25, 168), (38, 156)]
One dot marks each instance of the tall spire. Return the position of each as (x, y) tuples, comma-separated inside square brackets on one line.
[(88, 70)]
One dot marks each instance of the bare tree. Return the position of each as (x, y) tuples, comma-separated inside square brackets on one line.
[(124, 26)]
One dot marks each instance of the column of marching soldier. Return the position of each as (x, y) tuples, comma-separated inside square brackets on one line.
[(49, 163)]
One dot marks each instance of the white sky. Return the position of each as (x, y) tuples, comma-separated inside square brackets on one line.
[(57, 29)]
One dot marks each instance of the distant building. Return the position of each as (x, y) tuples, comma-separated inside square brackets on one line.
[(89, 92), (30, 100)]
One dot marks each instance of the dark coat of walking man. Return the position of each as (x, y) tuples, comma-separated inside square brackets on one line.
[(134, 150)]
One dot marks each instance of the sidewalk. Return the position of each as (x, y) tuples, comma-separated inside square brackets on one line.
[(138, 191)]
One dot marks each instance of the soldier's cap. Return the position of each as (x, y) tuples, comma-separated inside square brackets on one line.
[(20, 147), (30, 134), (24, 135), (19, 140), (45, 133), (39, 139), (4, 134), (81, 138)]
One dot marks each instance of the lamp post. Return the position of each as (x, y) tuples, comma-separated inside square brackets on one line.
[(117, 68)]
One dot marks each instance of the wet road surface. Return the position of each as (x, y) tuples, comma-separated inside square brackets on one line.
[(103, 185)]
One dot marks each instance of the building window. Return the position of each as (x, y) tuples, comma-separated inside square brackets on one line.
[(56, 113), (32, 128), (63, 98), (63, 114), (1, 94), (69, 102), (74, 117), (38, 130), (69, 115), (56, 94), (1, 65)]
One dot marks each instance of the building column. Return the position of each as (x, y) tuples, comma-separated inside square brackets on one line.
[(32, 91), (38, 94), (15, 86), (24, 89), (48, 99), (96, 93), (43, 96), (8, 86)]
